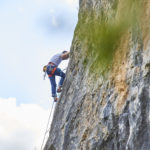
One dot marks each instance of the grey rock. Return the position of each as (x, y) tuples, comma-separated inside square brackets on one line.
[(98, 113)]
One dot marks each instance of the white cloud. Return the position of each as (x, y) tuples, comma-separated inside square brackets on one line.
[(21, 127)]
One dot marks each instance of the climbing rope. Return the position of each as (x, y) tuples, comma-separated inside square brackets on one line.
[(47, 125), (48, 118)]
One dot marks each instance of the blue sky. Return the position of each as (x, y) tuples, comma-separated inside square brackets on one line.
[(31, 32)]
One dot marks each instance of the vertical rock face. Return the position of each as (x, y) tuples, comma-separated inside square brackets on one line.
[(112, 112)]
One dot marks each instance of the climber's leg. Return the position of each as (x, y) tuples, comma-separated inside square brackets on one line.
[(53, 85), (60, 73)]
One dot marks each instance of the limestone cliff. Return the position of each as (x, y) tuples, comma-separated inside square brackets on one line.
[(105, 102)]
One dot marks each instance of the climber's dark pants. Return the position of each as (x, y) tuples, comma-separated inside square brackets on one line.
[(60, 73)]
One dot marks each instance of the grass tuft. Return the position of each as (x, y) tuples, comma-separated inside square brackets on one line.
[(101, 31)]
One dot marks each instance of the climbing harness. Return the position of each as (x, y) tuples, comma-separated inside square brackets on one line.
[(52, 69), (52, 72), (47, 126)]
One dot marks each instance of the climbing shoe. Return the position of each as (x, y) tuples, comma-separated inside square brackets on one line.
[(59, 89), (55, 99)]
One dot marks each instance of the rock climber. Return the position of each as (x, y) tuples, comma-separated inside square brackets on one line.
[(52, 70)]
